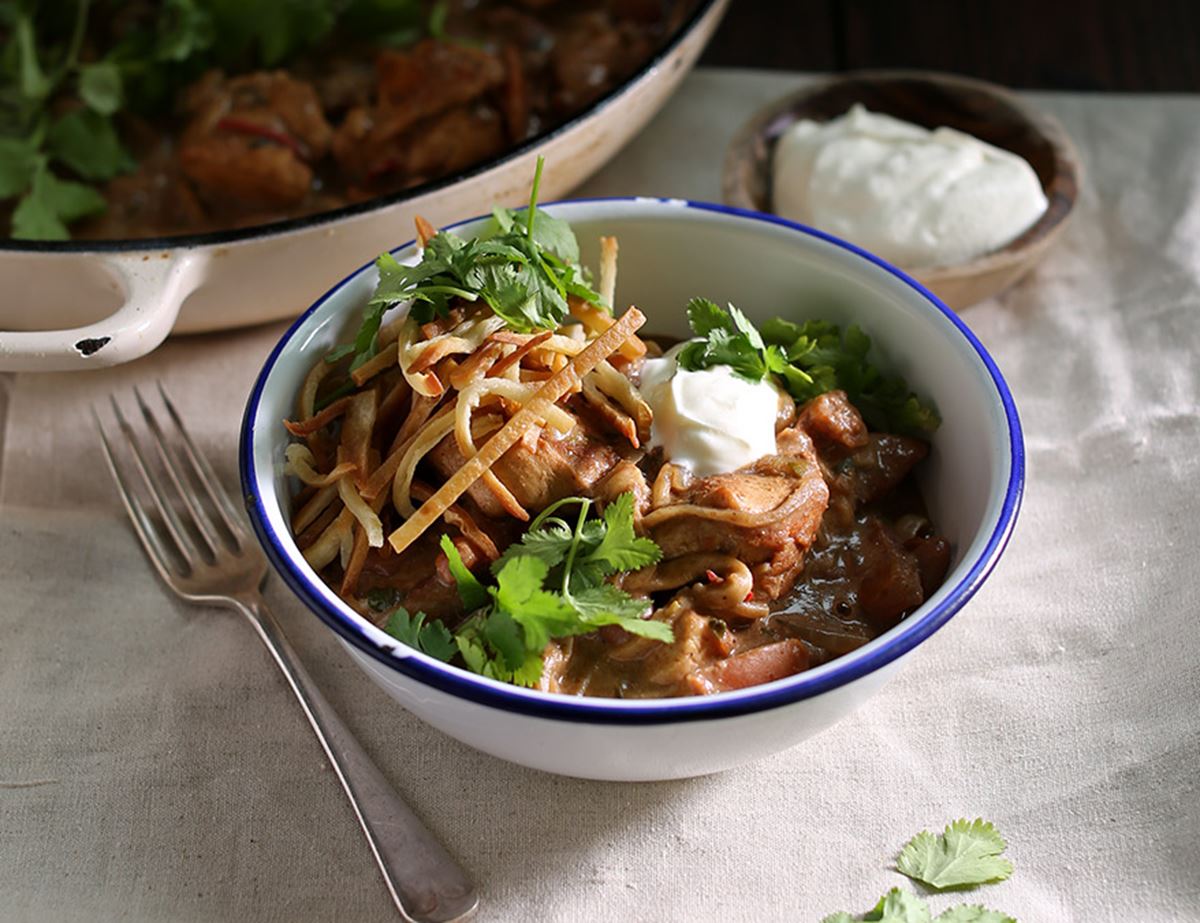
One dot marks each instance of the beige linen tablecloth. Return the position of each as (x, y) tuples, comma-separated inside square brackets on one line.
[(152, 767)]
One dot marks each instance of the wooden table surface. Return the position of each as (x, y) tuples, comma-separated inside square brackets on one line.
[(1113, 45)]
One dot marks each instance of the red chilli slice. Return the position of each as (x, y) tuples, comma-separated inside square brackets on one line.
[(247, 127)]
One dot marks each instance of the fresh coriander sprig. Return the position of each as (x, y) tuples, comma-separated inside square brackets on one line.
[(808, 359), (550, 584), (524, 266)]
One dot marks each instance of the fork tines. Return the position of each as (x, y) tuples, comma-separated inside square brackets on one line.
[(181, 513)]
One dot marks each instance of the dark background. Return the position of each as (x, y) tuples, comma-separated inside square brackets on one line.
[(1132, 45)]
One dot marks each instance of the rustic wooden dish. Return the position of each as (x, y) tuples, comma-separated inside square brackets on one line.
[(984, 110)]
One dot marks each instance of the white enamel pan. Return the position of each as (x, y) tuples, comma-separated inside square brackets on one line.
[(90, 304)]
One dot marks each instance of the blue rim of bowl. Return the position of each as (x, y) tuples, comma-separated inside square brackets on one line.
[(460, 683)]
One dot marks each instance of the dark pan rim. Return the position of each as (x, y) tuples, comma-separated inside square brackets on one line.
[(318, 219)]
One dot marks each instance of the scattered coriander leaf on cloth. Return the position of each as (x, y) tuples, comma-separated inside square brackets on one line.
[(972, 913), (897, 906), (900, 906), (967, 853)]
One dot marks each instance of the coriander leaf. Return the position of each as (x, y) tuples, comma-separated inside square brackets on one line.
[(470, 590), (504, 635), (705, 316), (433, 639), (51, 204), (339, 352), (436, 641), (549, 544), (743, 326), (437, 19), (383, 599), (608, 605), (967, 853), (100, 87), (503, 219), (780, 332), (820, 358), (35, 219), (605, 604), (541, 614), (551, 234), (620, 549), (472, 650), (897, 906), (72, 201), (505, 641), (725, 337), (184, 28), (269, 31), (405, 627), (18, 161), (31, 79), (87, 142), (972, 913), (530, 672), (391, 274)]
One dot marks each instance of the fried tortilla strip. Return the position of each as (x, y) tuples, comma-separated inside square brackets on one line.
[(531, 414), (425, 231)]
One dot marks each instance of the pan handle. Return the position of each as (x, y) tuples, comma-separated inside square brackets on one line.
[(155, 289)]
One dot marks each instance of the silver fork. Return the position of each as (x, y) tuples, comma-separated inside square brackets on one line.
[(196, 540)]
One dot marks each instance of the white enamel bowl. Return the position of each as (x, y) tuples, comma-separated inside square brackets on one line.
[(672, 250)]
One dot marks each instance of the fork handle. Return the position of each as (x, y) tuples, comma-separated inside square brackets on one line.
[(427, 885)]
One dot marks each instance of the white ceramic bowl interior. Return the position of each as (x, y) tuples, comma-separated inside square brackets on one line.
[(672, 250)]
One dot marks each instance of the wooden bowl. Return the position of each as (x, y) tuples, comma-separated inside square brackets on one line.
[(984, 110)]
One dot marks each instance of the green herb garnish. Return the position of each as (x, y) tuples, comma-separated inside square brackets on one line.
[(726, 337), (36, 140), (808, 359), (550, 584), (433, 638), (59, 95), (900, 906), (966, 853), (524, 266), (382, 599)]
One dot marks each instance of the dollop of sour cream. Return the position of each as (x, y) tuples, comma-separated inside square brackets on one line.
[(711, 421), (914, 197)]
